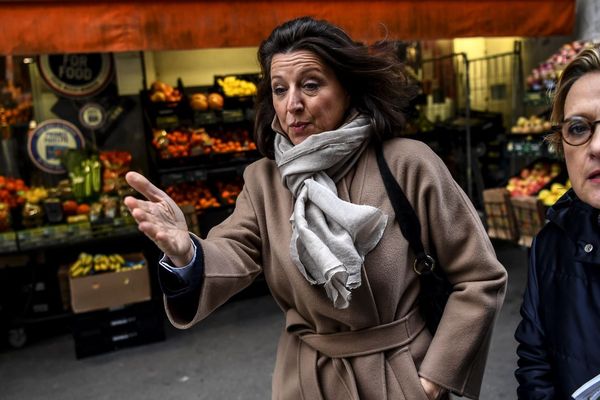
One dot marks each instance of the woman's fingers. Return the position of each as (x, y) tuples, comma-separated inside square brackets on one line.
[(144, 186), (159, 218)]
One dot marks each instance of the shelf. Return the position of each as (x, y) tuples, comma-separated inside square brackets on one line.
[(51, 236), (182, 169), (536, 99), (512, 135)]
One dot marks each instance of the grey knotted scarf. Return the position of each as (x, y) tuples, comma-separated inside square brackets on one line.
[(330, 236)]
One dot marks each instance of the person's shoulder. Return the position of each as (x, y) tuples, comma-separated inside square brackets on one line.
[(549, 233), (261, 171), (403, 145), (403, 152), (260, 166)]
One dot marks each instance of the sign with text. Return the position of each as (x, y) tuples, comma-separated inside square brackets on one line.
[(76, 75), (49, 141), (92, 116)]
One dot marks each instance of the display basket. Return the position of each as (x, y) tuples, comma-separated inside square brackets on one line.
[(242, 101), (500, 217), (530, 216), (167, 114)]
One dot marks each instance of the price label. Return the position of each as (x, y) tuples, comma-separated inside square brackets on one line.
[(76, 75)]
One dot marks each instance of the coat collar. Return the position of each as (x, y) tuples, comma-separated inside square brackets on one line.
[(581, 224)]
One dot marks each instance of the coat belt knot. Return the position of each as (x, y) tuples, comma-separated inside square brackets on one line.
[(342, 345)]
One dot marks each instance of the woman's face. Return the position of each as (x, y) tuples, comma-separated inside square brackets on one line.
[(583, 162), (307, 96)]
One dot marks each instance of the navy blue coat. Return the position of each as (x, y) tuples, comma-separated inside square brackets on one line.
[(559, 335)]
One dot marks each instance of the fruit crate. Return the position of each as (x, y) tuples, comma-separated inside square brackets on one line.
[(530, 217), (500, 217)]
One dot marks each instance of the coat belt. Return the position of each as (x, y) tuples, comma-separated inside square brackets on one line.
[(346, 344), (357, 343)]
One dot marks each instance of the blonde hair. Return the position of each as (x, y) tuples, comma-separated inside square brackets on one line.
[(585, 62)]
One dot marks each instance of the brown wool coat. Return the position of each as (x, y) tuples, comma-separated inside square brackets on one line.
[(364, 362)]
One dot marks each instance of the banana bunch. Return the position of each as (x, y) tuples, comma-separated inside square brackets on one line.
[(82, 267), (233, 87), (113, 262), (87, 264)]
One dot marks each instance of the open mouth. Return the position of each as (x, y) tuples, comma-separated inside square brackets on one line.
[(594, 175)]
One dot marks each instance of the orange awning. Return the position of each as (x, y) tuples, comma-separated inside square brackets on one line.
[(37, 27)]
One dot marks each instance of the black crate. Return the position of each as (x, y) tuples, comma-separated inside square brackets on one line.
[(109, 330)]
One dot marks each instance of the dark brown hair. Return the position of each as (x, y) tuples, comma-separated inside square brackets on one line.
[(373, 75), (585, 62)]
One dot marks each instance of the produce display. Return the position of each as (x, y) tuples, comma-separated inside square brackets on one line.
[(115, 165), (73, 200), (213, 126), (533, 124), (203, 101), (12, 191), (531, 180), (84, 173), (5, 219), (229, 191), (551, 196), (233, 140), (233, 86), (185, 142), (33, 211), (161, 92), (87, 264), (199, 102), (215, 101), (196, 194), (545, 75), (16, 106)]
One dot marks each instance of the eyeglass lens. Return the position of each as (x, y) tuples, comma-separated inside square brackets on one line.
[(578, 131)]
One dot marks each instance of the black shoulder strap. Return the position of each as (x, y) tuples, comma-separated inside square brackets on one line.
[(405, 214)]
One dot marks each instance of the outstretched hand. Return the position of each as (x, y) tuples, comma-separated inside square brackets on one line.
[(160, 219)]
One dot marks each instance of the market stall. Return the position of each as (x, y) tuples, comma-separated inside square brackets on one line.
[(73, 123)]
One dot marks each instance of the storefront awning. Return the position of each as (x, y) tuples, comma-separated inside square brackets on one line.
[(38, 27)]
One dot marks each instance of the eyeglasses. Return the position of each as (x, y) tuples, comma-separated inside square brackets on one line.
[(577, 131)]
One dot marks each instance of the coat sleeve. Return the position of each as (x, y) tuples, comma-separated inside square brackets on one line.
[(232, 260), (534, 372), (458, 352)]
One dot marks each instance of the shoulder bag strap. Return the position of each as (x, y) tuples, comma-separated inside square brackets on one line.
[(405, 215)]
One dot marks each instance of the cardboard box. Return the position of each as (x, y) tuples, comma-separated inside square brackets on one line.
[(110, 289)]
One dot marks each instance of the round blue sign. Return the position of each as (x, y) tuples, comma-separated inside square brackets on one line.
[(49, 141)]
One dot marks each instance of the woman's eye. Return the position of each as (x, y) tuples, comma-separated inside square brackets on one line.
[(278, 91), (578, 128), (311, 86)]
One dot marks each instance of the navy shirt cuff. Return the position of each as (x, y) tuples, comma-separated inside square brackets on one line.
[(179, 281)]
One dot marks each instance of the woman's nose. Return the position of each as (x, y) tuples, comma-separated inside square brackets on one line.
[(295, 103), (595, 142)]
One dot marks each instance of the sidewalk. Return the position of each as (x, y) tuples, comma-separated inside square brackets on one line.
[(228, 356)]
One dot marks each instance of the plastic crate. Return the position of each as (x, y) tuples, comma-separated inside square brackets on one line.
[(500, 217), (104, 331)]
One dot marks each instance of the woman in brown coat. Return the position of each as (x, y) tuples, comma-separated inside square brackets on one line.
[(315, 219)]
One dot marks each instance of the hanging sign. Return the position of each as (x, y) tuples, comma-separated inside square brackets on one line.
[(49, 141), (76, 75), (92, 116)]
